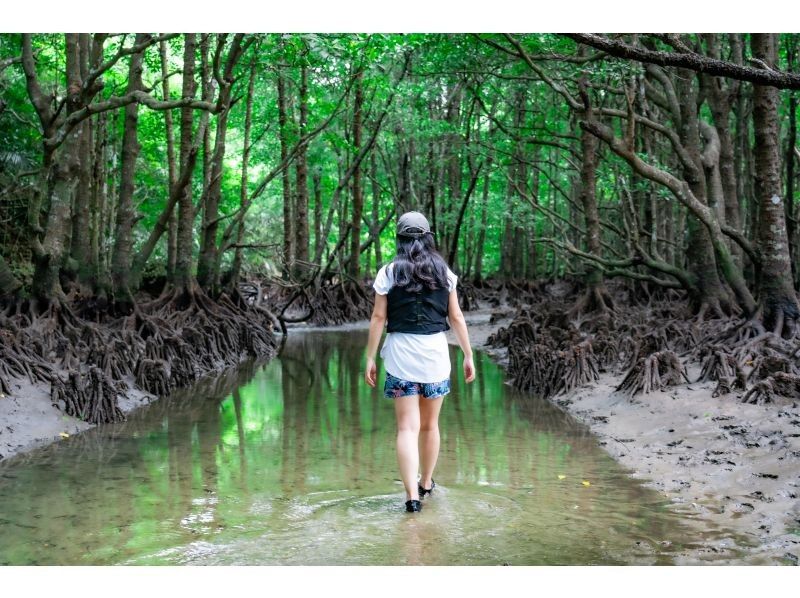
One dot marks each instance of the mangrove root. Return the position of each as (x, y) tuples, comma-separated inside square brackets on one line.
[(652, 373)]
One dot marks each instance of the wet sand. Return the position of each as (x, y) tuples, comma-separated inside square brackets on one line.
[(729, 463), (28, 419)]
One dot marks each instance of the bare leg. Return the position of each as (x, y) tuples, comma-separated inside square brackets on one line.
[(429, 437), (407, 411)]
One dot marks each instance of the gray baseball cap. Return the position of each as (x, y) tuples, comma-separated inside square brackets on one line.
[(413, 224)]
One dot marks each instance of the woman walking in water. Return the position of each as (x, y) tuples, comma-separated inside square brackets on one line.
[(416, 294)]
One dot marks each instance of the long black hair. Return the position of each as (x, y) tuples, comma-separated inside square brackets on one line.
[(418, 265)]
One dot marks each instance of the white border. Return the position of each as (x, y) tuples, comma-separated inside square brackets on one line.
[(399, 16)]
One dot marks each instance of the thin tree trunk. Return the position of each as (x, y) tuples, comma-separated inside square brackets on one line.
[(319, 242), (719, 100), (80, 219), (9, 284), (172, 236), (460, 216), (589, 144), (97, 206), (236, 267), (183, 278), (288, 234), (123, 238), (531, 264), (301, 174), (778, 300), (208, 260), (702, 263), (358, 198), (481, 242), (518, 237), (376, 215), (791, 144), (49, 256)]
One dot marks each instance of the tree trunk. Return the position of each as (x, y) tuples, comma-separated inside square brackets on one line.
[(700, 252), (9, 284), (123, 238), (791, 144), (518, 261), (481, 242), (319, 242), (172, 235), (81, 210), (358, 198), (236, 267), (208, 261), (301, 174), (49, 256), (778, 300), (506, 238), (594, 275), (183, 278), (719, 101), (97, 207), (376, 214), (288, 234)]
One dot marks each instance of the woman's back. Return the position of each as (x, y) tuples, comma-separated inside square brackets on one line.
[(415, 355)]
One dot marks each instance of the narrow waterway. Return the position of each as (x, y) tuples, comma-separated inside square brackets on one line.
[(293, 462)]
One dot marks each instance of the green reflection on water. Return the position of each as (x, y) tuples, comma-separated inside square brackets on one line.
[(294, 462)]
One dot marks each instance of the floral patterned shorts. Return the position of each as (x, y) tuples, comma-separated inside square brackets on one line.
[(395, 387)]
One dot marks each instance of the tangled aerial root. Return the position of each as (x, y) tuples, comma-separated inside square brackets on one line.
[(768, 363), (721, 367), (332, 306), (580, 367), (523, 328), (153, 376), (774, 387), (546, 373), (649, 336), (91, 397), (163, 345), (537, 369), (652, 373)]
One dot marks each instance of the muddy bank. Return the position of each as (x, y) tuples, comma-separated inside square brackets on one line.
[(62, 372), (733, 464), (29, 420)]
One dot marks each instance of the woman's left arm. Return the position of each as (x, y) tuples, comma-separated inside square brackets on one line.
[(376, 325), (459, 326)]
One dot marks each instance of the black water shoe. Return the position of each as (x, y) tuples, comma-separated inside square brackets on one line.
[(424, 491), (413, 506)]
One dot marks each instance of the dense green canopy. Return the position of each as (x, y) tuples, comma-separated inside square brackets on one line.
[(308, 145)]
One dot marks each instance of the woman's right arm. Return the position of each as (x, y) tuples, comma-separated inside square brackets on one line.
[(376, 325), (459, 326)]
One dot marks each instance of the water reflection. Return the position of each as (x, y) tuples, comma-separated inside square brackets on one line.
[(293, 463)]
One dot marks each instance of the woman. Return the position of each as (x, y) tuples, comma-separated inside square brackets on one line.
[(416, 293)]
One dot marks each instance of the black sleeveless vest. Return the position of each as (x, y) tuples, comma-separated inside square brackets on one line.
[(418, 313)]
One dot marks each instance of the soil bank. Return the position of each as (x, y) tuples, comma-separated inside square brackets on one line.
[(29, 420)]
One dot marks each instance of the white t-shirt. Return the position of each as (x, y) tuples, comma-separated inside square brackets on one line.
[(414, 357)]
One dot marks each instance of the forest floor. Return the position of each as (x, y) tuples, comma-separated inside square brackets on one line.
[(718, 460)]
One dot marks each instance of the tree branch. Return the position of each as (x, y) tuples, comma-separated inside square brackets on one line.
[(690, 60)]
